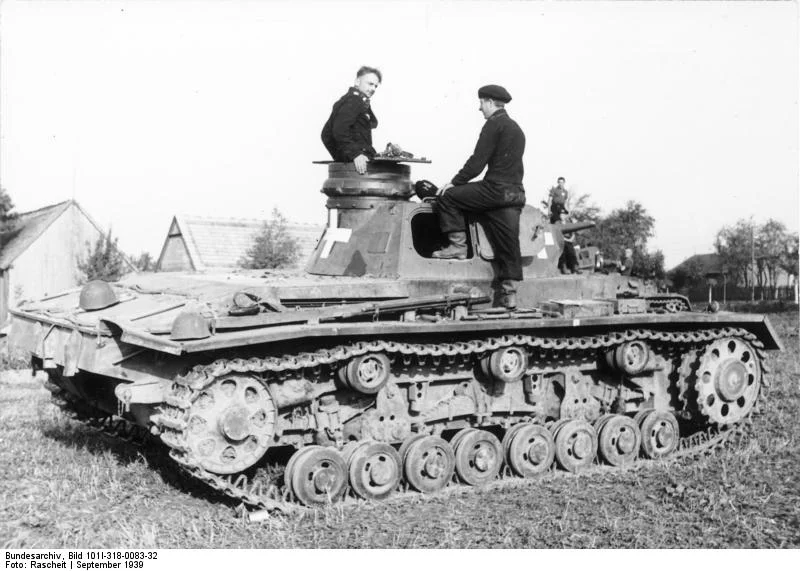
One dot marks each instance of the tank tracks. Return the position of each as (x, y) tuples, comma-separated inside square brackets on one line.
[(97, 419), (258, 493), (667, 304), (262, 493)]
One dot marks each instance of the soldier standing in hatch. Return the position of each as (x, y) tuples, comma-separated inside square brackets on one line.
[(499, 197), (347, 134)]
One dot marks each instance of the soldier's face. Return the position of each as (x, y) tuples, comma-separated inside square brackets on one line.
[(486, 107), (367, 84)]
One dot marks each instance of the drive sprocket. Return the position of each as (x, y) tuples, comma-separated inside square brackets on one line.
[(230, 424), (728, 381)]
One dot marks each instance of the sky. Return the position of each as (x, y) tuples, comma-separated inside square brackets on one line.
[(144, 110)]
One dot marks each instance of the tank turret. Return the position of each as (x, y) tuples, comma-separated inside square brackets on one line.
[(375, 229)]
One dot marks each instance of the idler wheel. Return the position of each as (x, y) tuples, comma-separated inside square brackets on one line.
[(660, 433), (618, 439), (631, 358), (576, 445), (507, 364), (231, 424), (317, 475), (368, 373), (728, 381), (531, 450), (478, 457), (374, 469), (429, 464)]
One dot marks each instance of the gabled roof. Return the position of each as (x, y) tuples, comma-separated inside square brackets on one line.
[(22, 231), (709, 263), (19, 233), (222, 242)]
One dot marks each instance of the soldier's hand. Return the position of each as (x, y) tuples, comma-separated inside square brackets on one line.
[(361, 163), (444, 188)]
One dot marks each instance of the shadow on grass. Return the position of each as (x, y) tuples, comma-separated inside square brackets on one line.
[(79, 437)]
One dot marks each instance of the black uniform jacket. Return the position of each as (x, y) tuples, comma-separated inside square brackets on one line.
[(348, 131), (501, 146)]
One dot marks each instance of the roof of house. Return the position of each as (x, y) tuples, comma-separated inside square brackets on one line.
[(22, 231), (222, 242), (709, 263)]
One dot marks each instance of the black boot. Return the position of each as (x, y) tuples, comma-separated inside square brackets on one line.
[(508, 298), (457, 250)]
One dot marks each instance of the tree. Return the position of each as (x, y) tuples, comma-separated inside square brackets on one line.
[(103, 262), (628, 227), (733, 244), (769, 244), (6, 207), (688, 275), (582, 210), (649, 264), (144, 263), (273, 247), (790, 257)]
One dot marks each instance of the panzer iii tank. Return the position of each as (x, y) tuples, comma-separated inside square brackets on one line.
[(381, 368)]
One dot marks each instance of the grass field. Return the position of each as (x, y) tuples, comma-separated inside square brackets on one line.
[(62, 485)]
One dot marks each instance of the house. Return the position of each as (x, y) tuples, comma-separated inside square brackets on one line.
[(704, 276), (706, 265), (217, 244), (40, 250)]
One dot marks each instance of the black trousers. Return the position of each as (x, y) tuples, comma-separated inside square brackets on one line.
[(500, 206), (568, 259)]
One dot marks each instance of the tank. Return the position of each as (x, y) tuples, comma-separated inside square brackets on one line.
[(382, 369)]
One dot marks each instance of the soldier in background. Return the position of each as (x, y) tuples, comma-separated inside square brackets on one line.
[(568, 261), (626, 265), (347, 133), (557, 200)]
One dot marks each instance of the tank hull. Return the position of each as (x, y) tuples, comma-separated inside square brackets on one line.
[(382, 368)]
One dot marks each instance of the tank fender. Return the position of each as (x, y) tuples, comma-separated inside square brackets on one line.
[(766, 333), (134, 336)]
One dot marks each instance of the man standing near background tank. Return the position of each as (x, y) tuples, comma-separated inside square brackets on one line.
[(499, 197), (557, 200), (347, 133)]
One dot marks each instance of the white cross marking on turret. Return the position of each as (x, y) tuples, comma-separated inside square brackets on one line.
[(333, 234), (548, 241)]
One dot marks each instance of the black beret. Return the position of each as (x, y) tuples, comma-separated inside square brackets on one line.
[(425, 189), (494, 92)]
